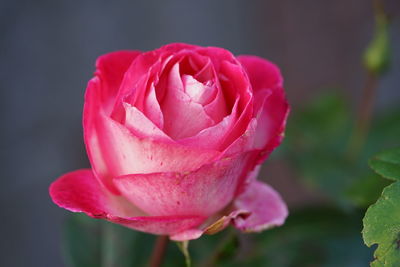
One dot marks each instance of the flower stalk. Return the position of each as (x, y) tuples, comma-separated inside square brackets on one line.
[(159, 250)]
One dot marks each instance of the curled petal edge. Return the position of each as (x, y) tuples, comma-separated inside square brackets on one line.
[(259, 208), (79, 191)]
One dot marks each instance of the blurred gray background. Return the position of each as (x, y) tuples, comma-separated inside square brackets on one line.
[(47, 54)]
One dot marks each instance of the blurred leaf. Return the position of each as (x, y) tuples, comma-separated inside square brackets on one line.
[(220, 251), (382, 227), (387, 164), (322, 121), (90, 242), (317, 144), (228, 250), (82, 241), (364, 192), (321, 236)]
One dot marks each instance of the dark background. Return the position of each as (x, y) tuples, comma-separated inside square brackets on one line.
[(47, 55)]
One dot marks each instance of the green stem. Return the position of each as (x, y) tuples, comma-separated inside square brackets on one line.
[(364, 115), (184, 247), (376, 59)]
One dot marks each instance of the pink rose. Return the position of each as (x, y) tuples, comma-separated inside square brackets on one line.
[(175, 137)]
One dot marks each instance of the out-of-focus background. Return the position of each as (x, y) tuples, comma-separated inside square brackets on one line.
[(47, 54)]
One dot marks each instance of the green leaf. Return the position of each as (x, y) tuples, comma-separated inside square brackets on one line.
[(387, 164), (382, 227)]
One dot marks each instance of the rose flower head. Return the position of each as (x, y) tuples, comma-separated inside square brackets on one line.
[(175, 138)]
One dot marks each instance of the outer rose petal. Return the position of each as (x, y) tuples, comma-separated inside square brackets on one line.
[(79, 191), (201, 192), (265, 205), (259, 208), (271, 119), (111, 68), (262, 73)]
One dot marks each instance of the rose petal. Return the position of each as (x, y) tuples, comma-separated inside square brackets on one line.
[(189, 234), (236, 85), (79, 191), (262, 73), (259, 208), (197, 91), (216, 227), (216, 55), (135, 83), (152, 108), (217, 109), (271, 120), (201, 192), (114, 151), (141, 126), (110, 68), (265, 205), (271, 123), (212, 137), (182, 116), (160, 225), (207, 73)]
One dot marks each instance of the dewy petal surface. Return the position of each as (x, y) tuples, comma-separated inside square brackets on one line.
[(79, 191)]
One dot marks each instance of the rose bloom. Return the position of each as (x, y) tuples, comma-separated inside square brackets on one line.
[(175, 138)]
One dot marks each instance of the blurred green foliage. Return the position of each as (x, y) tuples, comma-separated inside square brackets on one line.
[(97, 243), (320, 236), (317, 145)]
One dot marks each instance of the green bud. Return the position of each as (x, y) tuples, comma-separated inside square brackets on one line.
[(377, 54)]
